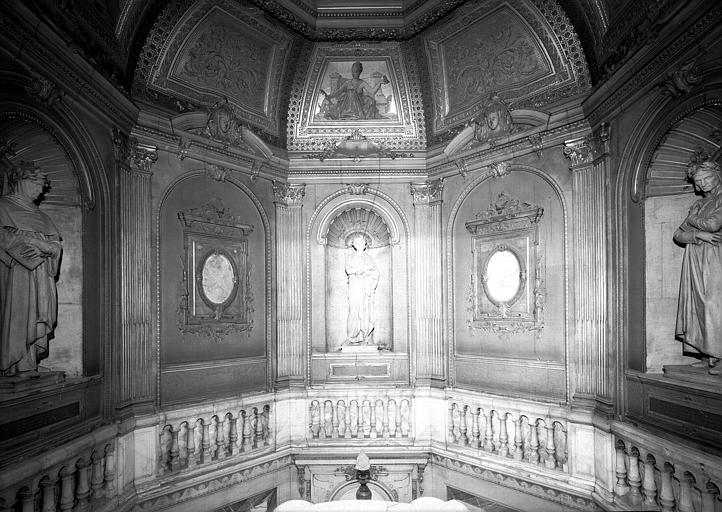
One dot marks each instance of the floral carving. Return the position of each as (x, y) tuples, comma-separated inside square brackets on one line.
[(493, 58), (225, 62)]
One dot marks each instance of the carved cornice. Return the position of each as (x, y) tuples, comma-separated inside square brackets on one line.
[(289, 194), (505, 210), (517, 483), (427, 193)]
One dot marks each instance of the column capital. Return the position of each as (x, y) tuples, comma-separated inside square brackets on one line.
[(583, 151), (428, 192), (142, 156), (289, 194)]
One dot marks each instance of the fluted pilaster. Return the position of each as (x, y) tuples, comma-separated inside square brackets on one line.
[(590, 353), (135, 356), (289, 251), (430, 358)]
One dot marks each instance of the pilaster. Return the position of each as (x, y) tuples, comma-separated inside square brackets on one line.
[(289, 250), (590, 365), (135, 358), (427, 199)]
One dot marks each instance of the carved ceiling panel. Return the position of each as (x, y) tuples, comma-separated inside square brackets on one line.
[(221, 49), (528, 55), (367, 88)]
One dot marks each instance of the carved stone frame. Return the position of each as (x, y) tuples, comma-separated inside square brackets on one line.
[(507, 225)]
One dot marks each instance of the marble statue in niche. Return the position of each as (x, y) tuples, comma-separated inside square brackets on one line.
[(30, 254), (699, 309), (354, 98), (363, 278)]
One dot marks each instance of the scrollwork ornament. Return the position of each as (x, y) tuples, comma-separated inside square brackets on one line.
[(500, 169), (535, 140), (184, 146), (428, 192), (121, 146), (357, 189), (44, 89), (680, 82), (289, 194), (217, 173)]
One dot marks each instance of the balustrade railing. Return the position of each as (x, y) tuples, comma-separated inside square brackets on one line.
[(510, 434), (360, 417), (80, 476), (192, 438), (653, 475)]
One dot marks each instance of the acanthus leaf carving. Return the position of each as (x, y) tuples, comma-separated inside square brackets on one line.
[(681, 81), (427, 192), (142, 156), (289, 194), (46, 90)]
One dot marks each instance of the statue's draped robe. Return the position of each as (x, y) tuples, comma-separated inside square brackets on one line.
[(699, 310), (28, 298), (363, 277)]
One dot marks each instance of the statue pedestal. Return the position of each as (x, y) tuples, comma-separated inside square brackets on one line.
[(12, 387), (360, 349), (689, 373)]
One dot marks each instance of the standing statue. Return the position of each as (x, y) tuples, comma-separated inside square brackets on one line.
[(363, 277), (699, 310), (354, 98), (29, 259)]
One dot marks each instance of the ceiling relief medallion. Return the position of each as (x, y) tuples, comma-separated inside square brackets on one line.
[(366, 90), (510, 51), (223, 49)]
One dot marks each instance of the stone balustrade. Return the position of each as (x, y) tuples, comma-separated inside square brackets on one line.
[(195, 436), (79, 476), (506, 432), (655, 475), (370, 416)]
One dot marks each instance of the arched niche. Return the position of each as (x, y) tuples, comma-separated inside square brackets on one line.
[(333, 224), (25, 139), (516, 346), (213, 342)]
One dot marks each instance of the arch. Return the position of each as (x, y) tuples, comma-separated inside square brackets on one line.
[(362, 196), (268, 264), (486, 174)]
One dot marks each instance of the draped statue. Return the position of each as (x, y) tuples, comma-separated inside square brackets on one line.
[(29, 259), (699, 310), (363, 278)]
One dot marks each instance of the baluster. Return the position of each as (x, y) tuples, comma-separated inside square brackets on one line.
[(82, 486), (174, 453), (633, 478), (354, 418), (488, 433), (373, 420), (96, 476), (666, 493), (385, 420), (109, 473), (685, 493), (649, 486), (463, 438), (405, 418), (220, 438), (503, 436), (469, 419), (379, 418), (533, 443), (327, 419), (248, 431), (475, 430), (453, 421), (25, 495), (164, 443), (47, 494), (392, 418), (67, 498), (206, 442), (621, 489), (560, 445), (342, 420), (399, 419), (257, 428), (315, 419), (709, 496), (233, 434), (366, 418), (334, 421), (550, 461), (266, 425), (191, 443), (518, 442)]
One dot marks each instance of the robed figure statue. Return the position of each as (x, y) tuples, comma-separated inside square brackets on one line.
[(363, 278), (699, 310), (29, 258)]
